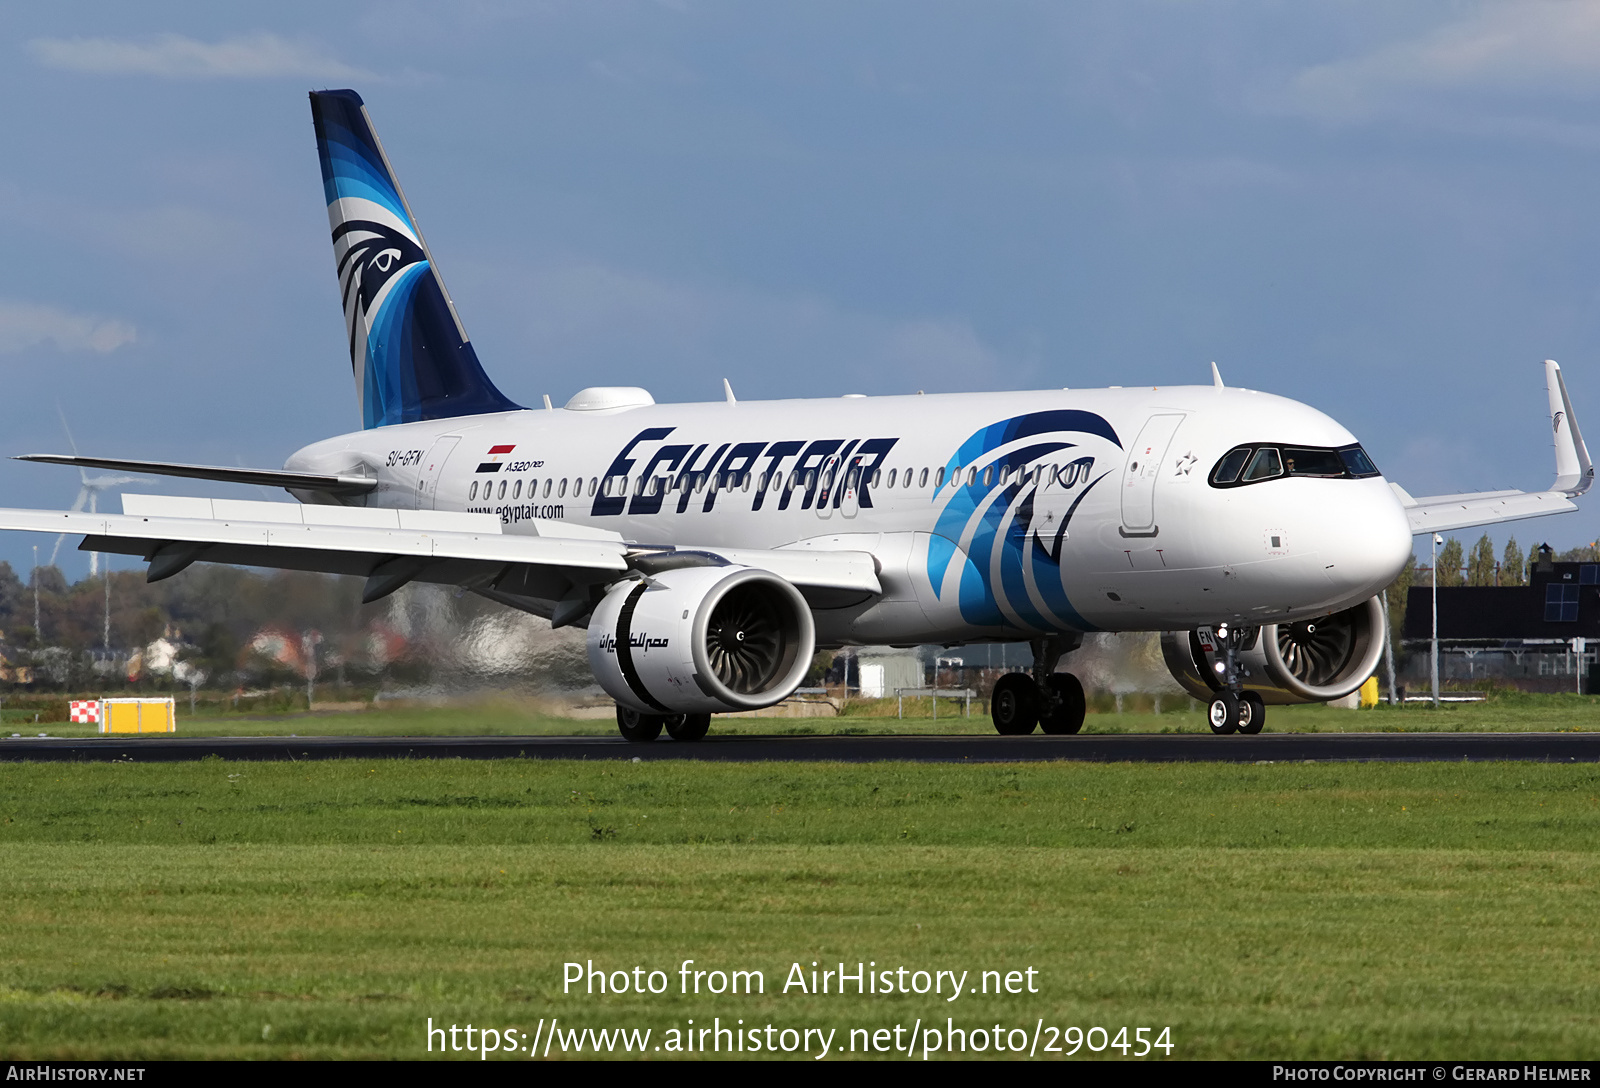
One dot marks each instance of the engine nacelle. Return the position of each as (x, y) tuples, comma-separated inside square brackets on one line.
[(1307, 662), (701, 640)]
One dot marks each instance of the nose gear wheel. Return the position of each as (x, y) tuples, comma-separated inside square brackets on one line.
[(1222, 714)]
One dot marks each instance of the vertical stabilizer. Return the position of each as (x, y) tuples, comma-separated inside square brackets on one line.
[(411, 356)]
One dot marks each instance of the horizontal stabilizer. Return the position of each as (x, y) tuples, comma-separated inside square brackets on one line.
[(266, 477)]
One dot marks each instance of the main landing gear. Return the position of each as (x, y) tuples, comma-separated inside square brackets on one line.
[(639, 727), (1232, 709), (1051, 700)]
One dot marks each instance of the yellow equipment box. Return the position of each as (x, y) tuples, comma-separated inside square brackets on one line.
[(138, 716)]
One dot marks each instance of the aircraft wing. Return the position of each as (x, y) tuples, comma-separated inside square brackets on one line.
[(269, 477), (562, 566), (1574, 474)]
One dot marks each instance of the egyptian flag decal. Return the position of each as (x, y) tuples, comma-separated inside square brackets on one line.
[(495, 451)]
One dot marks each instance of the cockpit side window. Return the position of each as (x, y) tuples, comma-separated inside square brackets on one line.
[(1356, 460), (1264, 465)]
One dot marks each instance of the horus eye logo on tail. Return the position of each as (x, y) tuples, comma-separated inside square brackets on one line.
[(410, 354)]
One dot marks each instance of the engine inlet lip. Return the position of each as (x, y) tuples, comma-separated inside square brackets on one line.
[(803, 631)]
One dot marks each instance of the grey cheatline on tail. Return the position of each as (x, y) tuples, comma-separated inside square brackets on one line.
[(710, 548)]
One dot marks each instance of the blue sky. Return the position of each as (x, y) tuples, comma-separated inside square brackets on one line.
[(1384, 210)]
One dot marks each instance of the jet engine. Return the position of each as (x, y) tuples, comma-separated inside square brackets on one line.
[(701, 640), (1310, 661)]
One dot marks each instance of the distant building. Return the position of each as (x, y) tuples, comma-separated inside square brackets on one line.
[(882, 670), (1540, 637)]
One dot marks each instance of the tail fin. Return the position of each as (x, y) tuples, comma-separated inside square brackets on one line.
[(411, 357)]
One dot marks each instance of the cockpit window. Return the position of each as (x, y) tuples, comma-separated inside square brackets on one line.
[(1256, 462), (1357, 461), (1264, 465), (1311, 462), (1227, 470)]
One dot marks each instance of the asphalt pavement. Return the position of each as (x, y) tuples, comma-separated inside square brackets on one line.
[(1132, 748)]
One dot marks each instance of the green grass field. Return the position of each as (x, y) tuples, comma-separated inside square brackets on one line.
[(1502, 712), (328, 909)]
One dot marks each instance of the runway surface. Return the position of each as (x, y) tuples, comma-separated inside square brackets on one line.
[(1138, 748)]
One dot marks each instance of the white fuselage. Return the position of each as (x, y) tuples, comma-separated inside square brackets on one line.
[(1058, 510)]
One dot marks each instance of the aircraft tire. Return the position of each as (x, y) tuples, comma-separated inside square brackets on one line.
[(1066, 716), (637, 727), (688, 726), (1222, 714), (1014, 705), (1252, 713)]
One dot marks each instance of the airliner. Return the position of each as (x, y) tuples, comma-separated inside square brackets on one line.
[(710, 549)]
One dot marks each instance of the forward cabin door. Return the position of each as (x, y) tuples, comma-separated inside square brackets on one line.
[(1142, 470), (432, 468)]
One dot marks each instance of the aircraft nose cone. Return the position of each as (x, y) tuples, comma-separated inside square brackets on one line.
[(1364, 542)]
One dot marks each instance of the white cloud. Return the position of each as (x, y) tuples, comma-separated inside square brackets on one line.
[(27, 324), (1521, 47), (173, 56)]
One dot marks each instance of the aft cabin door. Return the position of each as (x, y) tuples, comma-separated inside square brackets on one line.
[(1142, 470), (432, 468)]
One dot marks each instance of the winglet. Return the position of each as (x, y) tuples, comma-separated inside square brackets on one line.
[(1216, 376), (1574, 470), (727, 391)]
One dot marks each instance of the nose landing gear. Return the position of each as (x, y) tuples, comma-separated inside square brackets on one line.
[(1046, 698), (1232, 709)]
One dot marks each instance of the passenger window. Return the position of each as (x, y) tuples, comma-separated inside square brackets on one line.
[(1227, 470), (502, 489), (892, 473), (561, 492), (472, 492), (547, 484), (1264, 465), (938, 481), (592, 482), (516, 491)]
